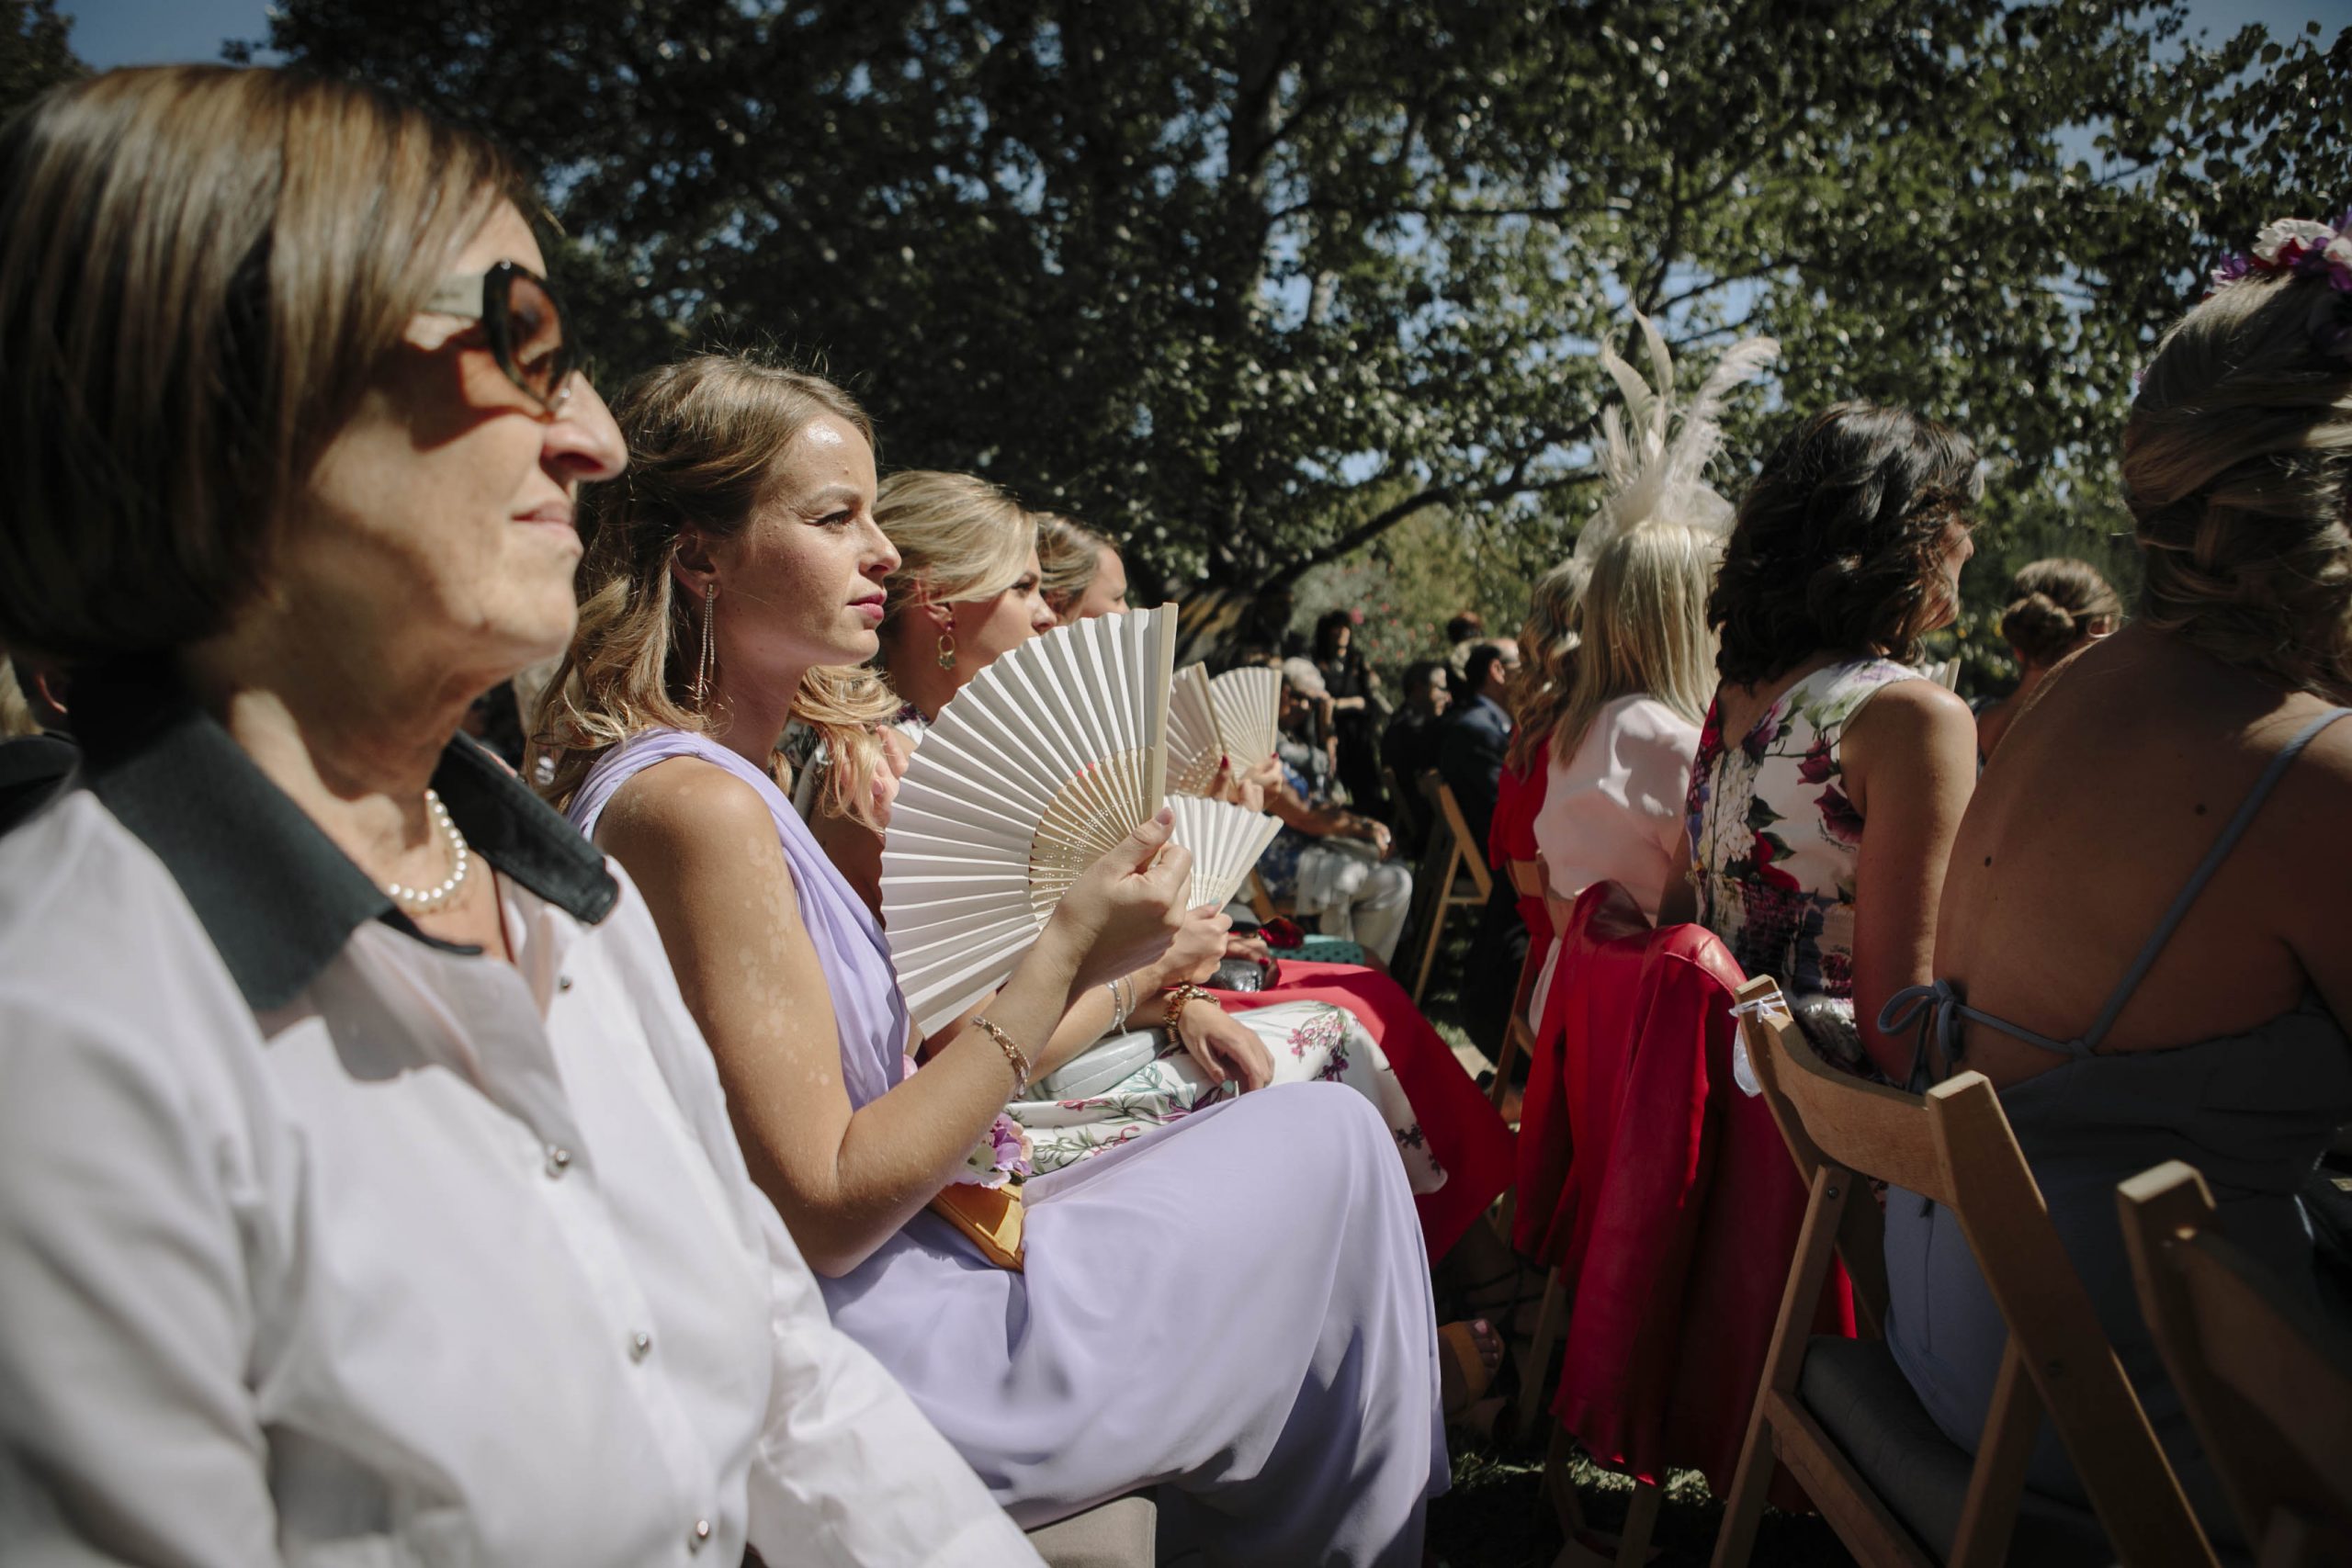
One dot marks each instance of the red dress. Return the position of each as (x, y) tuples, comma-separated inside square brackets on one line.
[(1467, 1136)]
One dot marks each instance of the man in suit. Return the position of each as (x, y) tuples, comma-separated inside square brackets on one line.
[(1475, 734), (1409, 748), (1472, 741)]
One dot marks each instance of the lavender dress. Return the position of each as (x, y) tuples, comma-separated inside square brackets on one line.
[(1233, 1308)]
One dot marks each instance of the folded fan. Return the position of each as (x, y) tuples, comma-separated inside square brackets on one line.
[(1035, 768), (1195, 751), (1226, 841), (1248, 713)]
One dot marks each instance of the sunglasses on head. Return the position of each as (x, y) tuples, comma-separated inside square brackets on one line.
[(523, 323)]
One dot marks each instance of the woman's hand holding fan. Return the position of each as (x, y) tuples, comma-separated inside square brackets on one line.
[(1124, 909), (1198, 949)]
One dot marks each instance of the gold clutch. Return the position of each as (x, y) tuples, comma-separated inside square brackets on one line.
[(990, 1215)]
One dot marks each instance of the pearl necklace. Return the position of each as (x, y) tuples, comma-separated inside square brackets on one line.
[(425, 900)]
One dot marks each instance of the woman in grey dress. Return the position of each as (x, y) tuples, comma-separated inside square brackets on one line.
[(2141, 940)]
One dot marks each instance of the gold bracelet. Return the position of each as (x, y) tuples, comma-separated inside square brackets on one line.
[(1012, 1054)]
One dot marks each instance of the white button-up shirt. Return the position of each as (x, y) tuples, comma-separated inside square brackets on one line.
[(324, 1243)]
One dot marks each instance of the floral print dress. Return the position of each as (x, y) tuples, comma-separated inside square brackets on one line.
[(1310, 1043), (1775, 840)]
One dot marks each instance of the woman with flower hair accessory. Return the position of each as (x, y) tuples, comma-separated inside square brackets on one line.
[(1829, 775), (2165, 971)]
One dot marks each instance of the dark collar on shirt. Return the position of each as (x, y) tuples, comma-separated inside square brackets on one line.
[(1480, 708), (276, 896)]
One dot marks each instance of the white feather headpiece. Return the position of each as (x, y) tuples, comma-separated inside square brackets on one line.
[(1651, 474)]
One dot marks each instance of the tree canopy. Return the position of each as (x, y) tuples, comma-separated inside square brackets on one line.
[(1247, 282), (35, 52)]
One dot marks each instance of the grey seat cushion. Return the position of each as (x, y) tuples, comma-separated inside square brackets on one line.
[(1121, 1534), (1862, 1400)]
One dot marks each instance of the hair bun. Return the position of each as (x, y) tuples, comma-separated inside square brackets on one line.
[(2039, 628)]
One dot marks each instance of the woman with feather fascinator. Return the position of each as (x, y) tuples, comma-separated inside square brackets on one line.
[(1605, 747)]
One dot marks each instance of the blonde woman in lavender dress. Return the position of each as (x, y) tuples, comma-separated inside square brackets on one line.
[(1272, 1369)]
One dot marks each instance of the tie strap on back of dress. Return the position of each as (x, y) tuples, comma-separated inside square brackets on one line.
[(1937, 1010)]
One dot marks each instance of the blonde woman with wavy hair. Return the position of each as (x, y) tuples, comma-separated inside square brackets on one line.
[(1547, 645), (760, 499), (967, 586), (708, 437), (1619, 752), (2143, 940), (1083, 574)]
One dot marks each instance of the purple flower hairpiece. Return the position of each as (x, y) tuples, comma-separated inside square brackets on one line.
[(2300, 247), (2295, 247)]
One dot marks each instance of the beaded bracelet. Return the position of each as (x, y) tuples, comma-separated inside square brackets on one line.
[(1178, 996), (1012, 1054)]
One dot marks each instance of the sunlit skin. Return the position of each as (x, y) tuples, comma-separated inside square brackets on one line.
[(797, 588), (976, 631), (800, 584), (1106, 595), (429, 557)]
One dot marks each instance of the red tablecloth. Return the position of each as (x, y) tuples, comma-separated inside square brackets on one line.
[(1467, 1137)]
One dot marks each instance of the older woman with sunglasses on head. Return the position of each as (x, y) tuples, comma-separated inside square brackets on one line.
[(365, 1189)]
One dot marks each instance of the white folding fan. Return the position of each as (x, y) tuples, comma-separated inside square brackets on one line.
[(1042, 764), (1249, 712), (1226, 841), (1195, 749)]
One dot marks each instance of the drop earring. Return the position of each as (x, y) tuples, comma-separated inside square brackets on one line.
[(947, 650), (709, 656)]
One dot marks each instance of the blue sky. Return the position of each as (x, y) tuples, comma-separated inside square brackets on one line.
[(143, 32)]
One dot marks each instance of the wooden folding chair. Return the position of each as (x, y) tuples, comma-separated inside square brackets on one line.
[(1841, 1414), (1518, 1031), (2266, 1381), (1263, 904), (1458, 879)]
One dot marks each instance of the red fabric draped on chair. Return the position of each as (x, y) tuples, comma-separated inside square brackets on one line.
[(1663, 1192), (1467, 1135)]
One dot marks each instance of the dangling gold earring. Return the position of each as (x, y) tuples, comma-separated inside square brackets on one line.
[(709, 654), (947, 650)]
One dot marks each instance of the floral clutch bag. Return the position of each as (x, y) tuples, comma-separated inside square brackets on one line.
[(984, 1201)]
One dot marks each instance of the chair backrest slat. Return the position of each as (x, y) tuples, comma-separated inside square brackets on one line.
[(2266, 1381), (1862, 1126), (1954, 1146), (1466, 842)]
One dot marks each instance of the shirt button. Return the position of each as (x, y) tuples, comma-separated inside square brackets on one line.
[(563, 982), (699, 1536), (558, 1160), (641, 1344)]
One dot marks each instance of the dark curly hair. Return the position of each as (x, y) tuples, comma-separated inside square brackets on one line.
[(1838, 543)]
